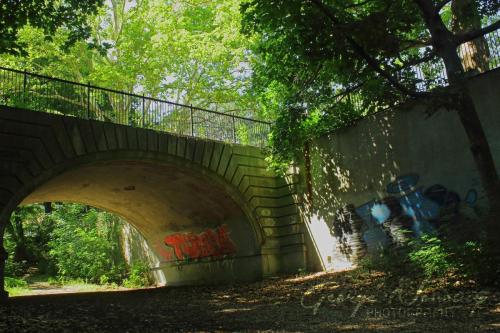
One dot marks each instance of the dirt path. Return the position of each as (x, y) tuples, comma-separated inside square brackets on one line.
[(334, 302), (45, 288)]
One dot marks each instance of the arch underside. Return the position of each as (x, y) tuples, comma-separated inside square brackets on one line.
[(162, 200)]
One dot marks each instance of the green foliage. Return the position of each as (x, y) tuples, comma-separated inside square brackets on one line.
[(429, 254), (26, 240), (306, 53), (188, 52), (11, 282), (16, 286), (15, 268), (139, 276), (83, 244), (292, 129), (432, 256), (77, 243), (12, 268), (302, 62), (49, 15), (392, 260)]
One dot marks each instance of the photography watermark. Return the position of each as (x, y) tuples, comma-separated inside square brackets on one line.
[(404, 301)]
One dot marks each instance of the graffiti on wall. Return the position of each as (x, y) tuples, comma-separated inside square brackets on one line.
[(405, 199), (407, 205), (211, 244)]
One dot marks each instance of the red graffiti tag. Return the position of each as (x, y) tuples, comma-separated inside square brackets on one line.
[(210, 243), (167, 255)]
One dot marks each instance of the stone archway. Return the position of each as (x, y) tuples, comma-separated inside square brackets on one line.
[(41, 152)]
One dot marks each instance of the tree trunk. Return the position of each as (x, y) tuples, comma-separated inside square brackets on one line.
[(4, 295), (444, 45), (475, 54), (20, 250)]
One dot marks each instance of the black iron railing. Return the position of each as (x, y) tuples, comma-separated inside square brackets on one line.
[(47, 94), (482, 55)]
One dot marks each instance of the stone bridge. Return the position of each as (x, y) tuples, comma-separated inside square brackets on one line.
[(209, 211)]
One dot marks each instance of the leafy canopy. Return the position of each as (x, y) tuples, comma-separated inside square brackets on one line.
[(309, 53), (190, 52), (48, 15)]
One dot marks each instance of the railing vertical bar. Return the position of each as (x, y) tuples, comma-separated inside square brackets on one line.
[(88, 100), (25, 82), (192, 119), (143, 111), (234, 128)]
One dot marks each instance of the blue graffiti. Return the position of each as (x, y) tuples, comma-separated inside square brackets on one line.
[(408, 201)]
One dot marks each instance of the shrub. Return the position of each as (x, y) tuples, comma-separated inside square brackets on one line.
[(392, 259), (83, 245), (11, 282), (14, 268), (139, 276), (430, 256)]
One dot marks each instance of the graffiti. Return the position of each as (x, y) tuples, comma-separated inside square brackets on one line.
[(167, 255), (346, 226), (208, 244), (407, 210), (411, 206)]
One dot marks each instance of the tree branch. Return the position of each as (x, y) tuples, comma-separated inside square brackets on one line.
[(470, 35), (412, 43), (357, 4), (372, 62), (441, 4), (417, 61)]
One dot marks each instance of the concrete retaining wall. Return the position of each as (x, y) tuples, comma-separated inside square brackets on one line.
[(401, 166)]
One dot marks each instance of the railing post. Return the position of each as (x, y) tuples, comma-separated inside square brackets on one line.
[(143, 112), (25, 84), (234, 128), (192, 119), (88, 100)]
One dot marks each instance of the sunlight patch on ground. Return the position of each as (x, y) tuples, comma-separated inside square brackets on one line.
[(234, 310), (316, 275)]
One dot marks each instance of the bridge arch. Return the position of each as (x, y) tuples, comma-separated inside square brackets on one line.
[(192, 183)]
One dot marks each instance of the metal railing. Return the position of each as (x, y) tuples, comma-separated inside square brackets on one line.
[(431, 74), (42, 93), (47, 94)]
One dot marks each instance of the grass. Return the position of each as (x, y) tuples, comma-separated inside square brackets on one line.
[(18, 291), (44, 284)]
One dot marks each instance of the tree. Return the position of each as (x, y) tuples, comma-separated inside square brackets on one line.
[(28, 233), (190, 52), (475, 53), (319, 48), (85, 244), (48, 15), (17, 232)]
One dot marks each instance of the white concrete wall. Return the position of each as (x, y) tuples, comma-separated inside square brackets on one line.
[(402, 166)]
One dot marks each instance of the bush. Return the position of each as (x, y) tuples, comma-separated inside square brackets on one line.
[(115, 275), (139, 276), (14, 268), (11, 282), (430, 256), (392, 259), (433, 257), (84, 245)]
